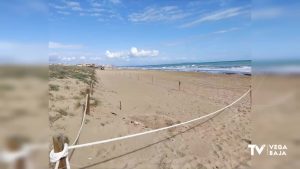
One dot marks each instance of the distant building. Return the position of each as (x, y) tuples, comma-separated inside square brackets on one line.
[(86, 65), (101, 67), (90, 65)]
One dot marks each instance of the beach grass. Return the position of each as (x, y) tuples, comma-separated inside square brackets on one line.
[(84, 74)]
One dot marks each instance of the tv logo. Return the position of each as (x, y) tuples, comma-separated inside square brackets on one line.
[(271, 150), (258, 149)]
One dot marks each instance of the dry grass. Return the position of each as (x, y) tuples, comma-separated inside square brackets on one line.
[(53, 87), (77, 105), (62, 112), (52, 119), (94, 102), (84, 74)]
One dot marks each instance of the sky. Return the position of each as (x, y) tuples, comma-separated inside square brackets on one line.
[(148, 32), (135, 32)]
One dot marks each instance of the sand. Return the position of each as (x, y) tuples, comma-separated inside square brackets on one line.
[(24, 110), (150, 100), (275, 119)]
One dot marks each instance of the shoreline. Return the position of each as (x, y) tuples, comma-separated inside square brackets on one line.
[(181, 72), (198, 71)]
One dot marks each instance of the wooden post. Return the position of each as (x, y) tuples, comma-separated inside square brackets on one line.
[(83, 107), (250, 95), (120, 105), (91, 87), (88, 102), (58, 145), (15, 144), (179, 84), (152, 79)]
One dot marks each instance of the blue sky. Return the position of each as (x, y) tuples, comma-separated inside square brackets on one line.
[(149, 32), (135, 32)]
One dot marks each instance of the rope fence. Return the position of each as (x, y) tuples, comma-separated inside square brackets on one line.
[(55, 157), (83, 119), (60, 155)]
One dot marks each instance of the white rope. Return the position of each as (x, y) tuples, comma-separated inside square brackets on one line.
[(157, 130), (82, 121), (55, 157)]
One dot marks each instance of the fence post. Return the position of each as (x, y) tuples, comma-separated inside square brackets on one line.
[(250, 94), (120, 105), (15, 144), (179, 84), (58, 145), (152, 79), (88, 102), (91, 87)]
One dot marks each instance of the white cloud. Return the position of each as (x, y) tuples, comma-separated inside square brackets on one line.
[(143, 53), (133, 52), (74, 5), (68, 58), (220, 15), (110, 54), (57, 45), (96, 4), (74, 56), (226, 30), (166, 13), (66, 7)]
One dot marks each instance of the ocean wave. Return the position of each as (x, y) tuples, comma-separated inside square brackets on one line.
[(199, 68)]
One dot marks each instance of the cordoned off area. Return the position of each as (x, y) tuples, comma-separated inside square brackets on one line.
[(133, 108)]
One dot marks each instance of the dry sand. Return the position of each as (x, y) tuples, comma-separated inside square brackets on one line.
[(150, 100), (275, 119), (23, 110)]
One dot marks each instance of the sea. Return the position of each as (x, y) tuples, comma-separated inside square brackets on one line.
[(242, 67)]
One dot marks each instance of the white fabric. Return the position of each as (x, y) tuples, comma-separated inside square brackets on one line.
[(12, 156), (55, 157)]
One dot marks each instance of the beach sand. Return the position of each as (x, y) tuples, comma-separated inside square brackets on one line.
[(150, 100), (275, 119)]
